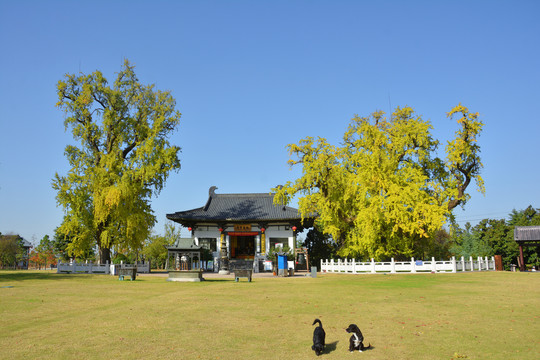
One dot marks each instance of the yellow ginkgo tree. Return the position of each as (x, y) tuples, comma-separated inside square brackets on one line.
[(121, 157), (384, 190)]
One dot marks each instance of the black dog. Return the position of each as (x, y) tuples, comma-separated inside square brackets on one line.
[(356, 342), (318, 338)]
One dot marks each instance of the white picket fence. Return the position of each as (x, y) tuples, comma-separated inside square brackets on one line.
[(414, 266), (90, 268)]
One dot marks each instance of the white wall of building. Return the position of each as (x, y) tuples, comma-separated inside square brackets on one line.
[(271, 232)]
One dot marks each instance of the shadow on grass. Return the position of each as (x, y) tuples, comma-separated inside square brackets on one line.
[(218, 280), (371, 347), (330, 347), (23, 275)]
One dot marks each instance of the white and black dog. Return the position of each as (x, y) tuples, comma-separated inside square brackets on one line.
[(356, 342), (318, 338)]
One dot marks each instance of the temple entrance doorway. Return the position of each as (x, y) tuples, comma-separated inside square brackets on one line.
[(243, 247)]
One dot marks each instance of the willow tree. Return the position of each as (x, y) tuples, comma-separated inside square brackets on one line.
[(121, 158), (384, 190)]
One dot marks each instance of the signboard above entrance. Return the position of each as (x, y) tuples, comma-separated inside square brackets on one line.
[(242, 227)]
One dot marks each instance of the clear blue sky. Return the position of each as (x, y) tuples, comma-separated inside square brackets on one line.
[(251, 77)]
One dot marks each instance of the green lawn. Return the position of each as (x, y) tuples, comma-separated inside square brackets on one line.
[(493, 315)]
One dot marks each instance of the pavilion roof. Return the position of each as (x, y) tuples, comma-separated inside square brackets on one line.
[(184, 244)]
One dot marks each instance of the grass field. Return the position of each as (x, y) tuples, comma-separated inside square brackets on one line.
[(493, 315)]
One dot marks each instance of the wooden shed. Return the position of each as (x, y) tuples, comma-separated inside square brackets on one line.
[(526, 236)]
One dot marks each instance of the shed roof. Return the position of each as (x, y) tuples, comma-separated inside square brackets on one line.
[(255, 207), (527, 233)]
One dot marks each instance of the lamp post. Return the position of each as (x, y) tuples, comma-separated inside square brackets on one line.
[(294, 228)]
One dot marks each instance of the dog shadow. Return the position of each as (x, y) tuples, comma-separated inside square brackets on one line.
[(330, 347)]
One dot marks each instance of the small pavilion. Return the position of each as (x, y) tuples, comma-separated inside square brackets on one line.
[(526, 236), (184, 252)]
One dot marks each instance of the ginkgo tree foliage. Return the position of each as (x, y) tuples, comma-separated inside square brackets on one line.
[(384, 190), (122, 156)]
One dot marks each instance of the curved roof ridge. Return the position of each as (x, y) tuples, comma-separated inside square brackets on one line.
[(245, 194)]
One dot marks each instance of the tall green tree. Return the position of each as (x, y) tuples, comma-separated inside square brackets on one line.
[(123, 156), (384, 190), (497, 236)]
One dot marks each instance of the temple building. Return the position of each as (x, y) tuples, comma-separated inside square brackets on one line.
[(242, 226)]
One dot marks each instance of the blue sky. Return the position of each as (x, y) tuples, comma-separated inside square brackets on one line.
[(251, 77)]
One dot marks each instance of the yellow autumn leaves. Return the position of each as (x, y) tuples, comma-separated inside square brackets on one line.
[(384, 190)]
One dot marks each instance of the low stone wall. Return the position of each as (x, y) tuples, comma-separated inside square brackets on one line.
[(186, 276)]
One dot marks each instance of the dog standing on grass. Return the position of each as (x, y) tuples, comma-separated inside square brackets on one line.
[(318, 338), (356, 342)]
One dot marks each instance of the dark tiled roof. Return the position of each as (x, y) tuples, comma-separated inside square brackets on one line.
[(237, 207), (527, 233)]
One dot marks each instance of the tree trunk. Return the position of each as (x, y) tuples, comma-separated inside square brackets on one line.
[(461, 190), (104, 255), (104, 252)]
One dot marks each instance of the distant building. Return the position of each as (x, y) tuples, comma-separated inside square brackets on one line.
[(242, 226), (22, 263)]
